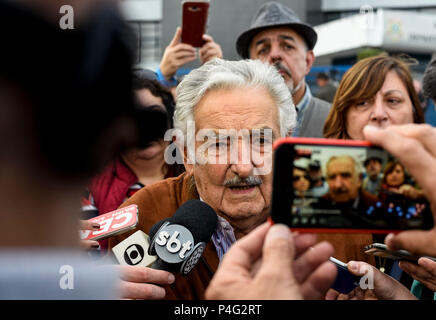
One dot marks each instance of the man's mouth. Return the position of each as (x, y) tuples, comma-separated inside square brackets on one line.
[(242, 187)]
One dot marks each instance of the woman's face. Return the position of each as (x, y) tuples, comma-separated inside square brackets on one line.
[(301, 180), (396, 177), (390, 105), (156, 148)]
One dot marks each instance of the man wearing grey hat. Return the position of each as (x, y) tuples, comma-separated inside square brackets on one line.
[(278, 36)]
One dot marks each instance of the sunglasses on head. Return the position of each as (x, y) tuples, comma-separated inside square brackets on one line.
[(296, 178)]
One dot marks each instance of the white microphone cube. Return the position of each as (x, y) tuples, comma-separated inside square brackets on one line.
[(133, 251)]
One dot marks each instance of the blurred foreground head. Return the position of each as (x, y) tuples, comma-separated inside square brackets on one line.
[(66, 108), (66, 95)]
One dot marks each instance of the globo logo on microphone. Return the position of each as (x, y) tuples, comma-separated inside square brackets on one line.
[(174, 243)]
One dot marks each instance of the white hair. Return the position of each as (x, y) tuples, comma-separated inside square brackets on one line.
[(222, 74)]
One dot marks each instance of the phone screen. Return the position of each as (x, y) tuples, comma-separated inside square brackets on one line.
[(346, 187)]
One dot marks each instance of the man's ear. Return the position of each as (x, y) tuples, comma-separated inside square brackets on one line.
[(310, 59)]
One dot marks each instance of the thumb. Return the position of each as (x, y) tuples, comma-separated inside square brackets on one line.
[(415, 241), (177, 37), (278, 250)]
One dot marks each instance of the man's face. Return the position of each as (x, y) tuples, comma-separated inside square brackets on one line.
[(244, 204), (373, 168), (342, 179), (287, 50)]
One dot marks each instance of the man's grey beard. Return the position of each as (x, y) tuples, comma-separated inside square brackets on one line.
[(280, 67), (293, 90)]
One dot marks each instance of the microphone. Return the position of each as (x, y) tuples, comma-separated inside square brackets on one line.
[(133, 251), (179, 241)]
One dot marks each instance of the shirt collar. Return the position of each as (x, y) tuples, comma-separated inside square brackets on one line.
[(223, 236), (305, 100)]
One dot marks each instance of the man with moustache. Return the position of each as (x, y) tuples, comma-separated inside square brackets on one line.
[(345, 184), (278, 36), (225, 97)]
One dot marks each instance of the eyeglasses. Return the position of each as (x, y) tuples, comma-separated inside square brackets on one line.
[(296, 178)]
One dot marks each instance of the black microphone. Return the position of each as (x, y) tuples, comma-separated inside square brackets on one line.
[(179, 241)]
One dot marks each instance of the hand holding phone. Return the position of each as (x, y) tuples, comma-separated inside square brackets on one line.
[(381, 250), (345, 281), (112, 223)]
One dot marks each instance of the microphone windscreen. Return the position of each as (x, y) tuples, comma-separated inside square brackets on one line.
[(198, 217), (156, 227)]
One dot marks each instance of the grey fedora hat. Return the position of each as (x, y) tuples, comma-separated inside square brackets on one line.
[(274, 14)]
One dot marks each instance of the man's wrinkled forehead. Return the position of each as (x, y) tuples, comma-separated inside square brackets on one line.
[(343, 165), (277, 34)]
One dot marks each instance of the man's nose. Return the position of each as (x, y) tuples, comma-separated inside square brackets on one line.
[(275, 54), (243, 167), (338, 182)]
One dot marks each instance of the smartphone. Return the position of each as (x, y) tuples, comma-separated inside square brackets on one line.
[(194, 22), (380, 250), (345, 281), (112, 223), (318, 186)]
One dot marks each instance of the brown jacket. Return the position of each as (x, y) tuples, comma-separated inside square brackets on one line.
[(350, 246), (157, 202)]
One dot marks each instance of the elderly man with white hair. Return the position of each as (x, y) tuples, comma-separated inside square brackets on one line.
[(241, 107)]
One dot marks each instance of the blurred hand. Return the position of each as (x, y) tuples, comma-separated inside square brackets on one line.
[(139, 282), (384, 287), (410, 192), (261, 266), (210, 50), (176, 54), (415, 146), (88, 225), (424, 272)]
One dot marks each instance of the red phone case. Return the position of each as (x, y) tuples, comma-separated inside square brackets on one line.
[(333, 142), (194, 20)]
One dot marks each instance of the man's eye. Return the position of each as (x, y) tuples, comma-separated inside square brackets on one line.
[(263, 51)]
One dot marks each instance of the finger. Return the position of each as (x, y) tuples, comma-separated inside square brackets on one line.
[(182, 56), (311, 260), (318, 282), (206, 58), (303, 242), (89, 244), (246, 250), (139, 274), (428, 265), (89, 225), (183, 47), (414, 270), (176, 38), (422, 132), (207, 38), (415, 241), (278, 251), (131, 290), (410, 153), (332, 295)]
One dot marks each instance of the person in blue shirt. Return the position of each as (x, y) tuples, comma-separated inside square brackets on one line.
[(177, 54)]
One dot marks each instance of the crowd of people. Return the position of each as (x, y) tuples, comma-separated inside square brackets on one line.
[(104, 154)]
